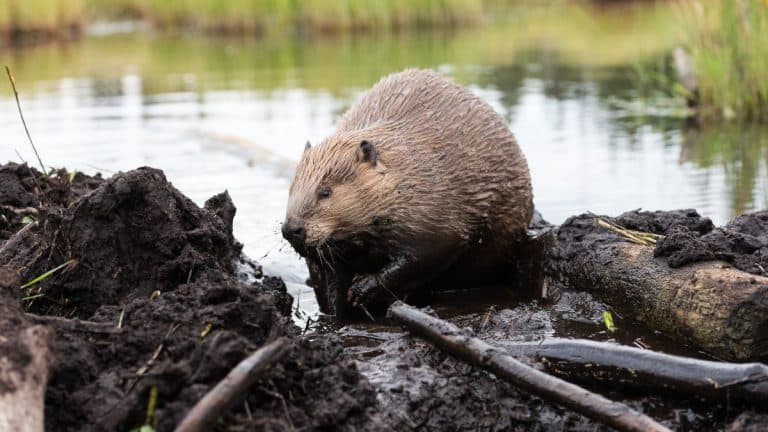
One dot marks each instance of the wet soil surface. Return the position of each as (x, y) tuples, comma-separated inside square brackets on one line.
[(138, 254), (186, 307), (688, 236), (425, 389)]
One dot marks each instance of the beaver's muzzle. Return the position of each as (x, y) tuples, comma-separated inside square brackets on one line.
[(296, 234)]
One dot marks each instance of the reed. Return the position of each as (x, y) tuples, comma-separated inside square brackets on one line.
[(728, 43), (40, 17), (247, 16)]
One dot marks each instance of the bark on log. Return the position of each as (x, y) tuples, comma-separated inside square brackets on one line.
[(24, 361), (204, 414), (451, 339), (647, 369), (710, 305)]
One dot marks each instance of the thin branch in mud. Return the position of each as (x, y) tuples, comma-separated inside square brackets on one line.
[(204, 414), (682, 374), (74, 325), (639, 237), (20, 211), (21, 115), (33, 177), (473, 350), (280, 397)]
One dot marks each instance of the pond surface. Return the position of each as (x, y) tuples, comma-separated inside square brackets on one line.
[(234, 114)]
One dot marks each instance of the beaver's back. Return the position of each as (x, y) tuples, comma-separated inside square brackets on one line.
[(458, 164)]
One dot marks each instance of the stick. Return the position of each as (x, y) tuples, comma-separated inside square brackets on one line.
[(21, 114), (204, 414), (648, 368), (473, 350), (74, 324)]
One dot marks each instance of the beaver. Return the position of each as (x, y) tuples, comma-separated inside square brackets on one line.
[(421, 176)]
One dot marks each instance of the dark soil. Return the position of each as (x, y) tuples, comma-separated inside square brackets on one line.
[(688, 236), (145, 256), (189, 306), (24, 191)]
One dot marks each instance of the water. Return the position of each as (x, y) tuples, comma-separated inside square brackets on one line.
[(219, 114)]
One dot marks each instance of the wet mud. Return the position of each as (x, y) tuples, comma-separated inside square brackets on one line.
[(427, 389), (688, 237), (165, 273), (184, 306)]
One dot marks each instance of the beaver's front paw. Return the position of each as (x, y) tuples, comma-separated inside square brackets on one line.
[(364, 288)]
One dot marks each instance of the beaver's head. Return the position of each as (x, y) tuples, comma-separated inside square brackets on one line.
[(337, 195)]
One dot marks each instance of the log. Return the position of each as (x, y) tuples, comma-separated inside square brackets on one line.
[(24, 362), (647, 369), (710, 305), (228, 391), (473, 350)]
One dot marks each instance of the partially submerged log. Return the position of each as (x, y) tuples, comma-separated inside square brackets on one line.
[(636, 367), (473, 350), (24, 361), (710, 305)]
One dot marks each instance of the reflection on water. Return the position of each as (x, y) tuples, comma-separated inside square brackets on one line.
[(232, 114)]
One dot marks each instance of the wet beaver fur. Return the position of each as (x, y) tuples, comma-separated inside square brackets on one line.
[(421, 179)]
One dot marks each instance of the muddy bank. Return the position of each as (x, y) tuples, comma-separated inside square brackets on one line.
[(426, 389), (175, 306), (137, 255)]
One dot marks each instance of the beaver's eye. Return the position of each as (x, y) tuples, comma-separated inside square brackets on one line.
[(324, 193)]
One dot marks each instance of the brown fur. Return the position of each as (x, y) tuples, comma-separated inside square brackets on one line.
[(447, 172)]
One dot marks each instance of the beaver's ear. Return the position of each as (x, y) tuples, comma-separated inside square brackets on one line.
[(307, 146), (367, 152)]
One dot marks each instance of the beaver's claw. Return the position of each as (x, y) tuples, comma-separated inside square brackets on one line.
[(364, 288)]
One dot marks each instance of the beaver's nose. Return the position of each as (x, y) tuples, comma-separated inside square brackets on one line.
[(294, 232)]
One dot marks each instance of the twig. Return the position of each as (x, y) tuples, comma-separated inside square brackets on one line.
[(473, 350), (24, 122), (639, 237), (208, 409), (74, 325), (280, 397)]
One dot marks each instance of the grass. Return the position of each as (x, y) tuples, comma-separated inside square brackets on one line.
[(728, 43), (46, 17), (324, 16), (47, 274)]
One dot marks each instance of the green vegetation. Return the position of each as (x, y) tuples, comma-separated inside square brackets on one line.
[(47, 17), (728, 42), (40, 17), (342, 62)]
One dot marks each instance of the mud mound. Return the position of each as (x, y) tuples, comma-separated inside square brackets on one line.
[(25, 191), (743, 242), (132, 236), (162, 274), (688, 237)]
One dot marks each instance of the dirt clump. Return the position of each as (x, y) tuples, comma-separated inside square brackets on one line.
[(742, 242), (688, 237), (136, 253), (25, 192)]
